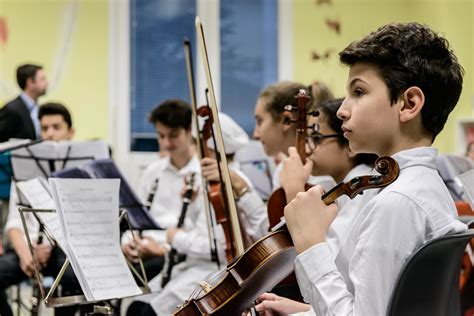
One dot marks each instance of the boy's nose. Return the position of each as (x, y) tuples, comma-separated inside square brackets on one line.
[(256, 134)]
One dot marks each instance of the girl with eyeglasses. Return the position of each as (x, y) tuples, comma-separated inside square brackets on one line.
[(272, 123), (329, 154)]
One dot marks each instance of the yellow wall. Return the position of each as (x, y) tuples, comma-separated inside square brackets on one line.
[(77, 64), (70, 39), (452, 18)]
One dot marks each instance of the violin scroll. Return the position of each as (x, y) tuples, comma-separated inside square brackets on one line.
[(386, 166)]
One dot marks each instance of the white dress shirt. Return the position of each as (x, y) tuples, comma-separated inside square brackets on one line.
[(166, 207), (356, 275)]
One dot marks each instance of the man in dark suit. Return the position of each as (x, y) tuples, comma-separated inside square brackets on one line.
[(19, 117)]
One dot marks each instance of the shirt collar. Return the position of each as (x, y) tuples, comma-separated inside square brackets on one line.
[(30, 104), (420, 156), (193, 165)]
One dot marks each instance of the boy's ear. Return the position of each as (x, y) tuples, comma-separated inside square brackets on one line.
[(412, 102)]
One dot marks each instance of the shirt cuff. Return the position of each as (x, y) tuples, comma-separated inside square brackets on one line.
[(313, 263), (179, 241)]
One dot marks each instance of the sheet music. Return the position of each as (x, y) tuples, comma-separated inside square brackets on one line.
[(88, 210), (38, 196), (467, 181)]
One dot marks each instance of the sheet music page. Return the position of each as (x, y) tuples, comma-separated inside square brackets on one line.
[(467, 181), (89, 211), (38, 197)]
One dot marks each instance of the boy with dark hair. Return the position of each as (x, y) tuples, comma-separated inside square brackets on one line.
[(17, 264), (55, 122), (19, 117), (403, 82), (161, 187)]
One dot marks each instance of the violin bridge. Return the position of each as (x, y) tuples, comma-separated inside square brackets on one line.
[(206, 287)]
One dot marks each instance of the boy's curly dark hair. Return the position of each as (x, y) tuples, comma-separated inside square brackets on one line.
[(173, 113), (411, 54)]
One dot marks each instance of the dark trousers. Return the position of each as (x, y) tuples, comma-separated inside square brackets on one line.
[(11, 274)]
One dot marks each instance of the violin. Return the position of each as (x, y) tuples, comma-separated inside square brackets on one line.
[(214, 190), (277, 201), (220, 193), (271, 258)]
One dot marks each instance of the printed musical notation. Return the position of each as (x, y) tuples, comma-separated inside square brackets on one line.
[(88, 212)]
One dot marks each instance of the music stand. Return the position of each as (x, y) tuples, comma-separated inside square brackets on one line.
[(48, 299), (138, 215), (41, 159)]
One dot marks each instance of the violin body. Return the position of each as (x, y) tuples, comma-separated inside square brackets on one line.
[(217, 201), (258, 270), (276, 205)]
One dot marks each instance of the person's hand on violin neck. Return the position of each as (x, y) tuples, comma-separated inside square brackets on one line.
[(294, 174), (308, 218), (209, 169), (211, 173)]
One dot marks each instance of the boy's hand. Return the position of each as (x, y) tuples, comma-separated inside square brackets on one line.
[(130, 251), (308, 218), (271, 304), (42, 253), (148, 247), (209, 169), (26, 263), (294, 174)]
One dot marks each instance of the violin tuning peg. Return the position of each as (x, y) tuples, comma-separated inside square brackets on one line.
[(290, 108)]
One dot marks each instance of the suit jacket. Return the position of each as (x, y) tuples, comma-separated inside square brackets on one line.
[(15, 121)]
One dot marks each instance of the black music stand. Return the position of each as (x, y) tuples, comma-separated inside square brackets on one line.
[(139, 216)]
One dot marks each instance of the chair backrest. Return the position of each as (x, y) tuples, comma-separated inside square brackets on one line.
[(449, 167), (429, 281)]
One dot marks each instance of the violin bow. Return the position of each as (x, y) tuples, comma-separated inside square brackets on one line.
[(192, 92), (232, 209)]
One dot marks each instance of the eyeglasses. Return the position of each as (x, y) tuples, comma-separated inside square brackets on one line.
[(315, 139)]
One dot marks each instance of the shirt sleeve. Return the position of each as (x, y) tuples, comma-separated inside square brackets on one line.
[(13, 219), (194, 239), (254, 210), (391, 229)]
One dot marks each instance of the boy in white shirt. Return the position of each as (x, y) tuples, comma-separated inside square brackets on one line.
[(403, 82)]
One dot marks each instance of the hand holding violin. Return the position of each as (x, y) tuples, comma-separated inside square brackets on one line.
[(272, 305), (294, 174), (211, 173), (308, 218)]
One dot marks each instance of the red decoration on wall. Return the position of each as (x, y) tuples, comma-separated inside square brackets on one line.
[(3, 31), (318, 56), (321, 2), (334, 25)]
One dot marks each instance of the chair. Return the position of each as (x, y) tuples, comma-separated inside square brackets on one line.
[(429, 281)]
